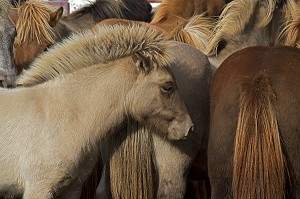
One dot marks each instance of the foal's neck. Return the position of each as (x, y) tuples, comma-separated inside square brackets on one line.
[(99, 95)]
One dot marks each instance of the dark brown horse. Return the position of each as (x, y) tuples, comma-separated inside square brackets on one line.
[(88, 16), (253, 148)]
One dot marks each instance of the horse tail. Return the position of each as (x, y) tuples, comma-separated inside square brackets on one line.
[(258, 162), (132, 171)]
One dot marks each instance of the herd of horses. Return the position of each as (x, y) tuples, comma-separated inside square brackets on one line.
[(195, 100)]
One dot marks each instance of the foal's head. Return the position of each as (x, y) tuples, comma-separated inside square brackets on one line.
[(154, 99)]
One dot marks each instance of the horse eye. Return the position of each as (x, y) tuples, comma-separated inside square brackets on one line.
[(168, 87)]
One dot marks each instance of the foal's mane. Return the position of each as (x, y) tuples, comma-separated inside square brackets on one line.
[(290, 33), (4, 7), (101, 46), (235, 17), (100, 10), (33, 22)]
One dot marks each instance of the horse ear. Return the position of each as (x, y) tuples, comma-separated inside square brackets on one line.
[(142, 62), (56, 16)]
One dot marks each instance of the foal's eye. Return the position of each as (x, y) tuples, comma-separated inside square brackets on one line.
[(168, 87)]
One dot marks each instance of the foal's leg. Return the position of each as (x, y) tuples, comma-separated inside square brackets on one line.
[(38, 191)]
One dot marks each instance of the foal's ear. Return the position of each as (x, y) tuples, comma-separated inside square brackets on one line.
[(56, 16), (143, 62)]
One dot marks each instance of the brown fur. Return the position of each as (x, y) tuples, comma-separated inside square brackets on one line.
[(254, 139), (186, 9), (171, 14), (35, 23), (88, 16), (258, 160)]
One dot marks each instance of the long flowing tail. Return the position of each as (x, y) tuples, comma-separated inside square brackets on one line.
[(258, 163), (132, 170)]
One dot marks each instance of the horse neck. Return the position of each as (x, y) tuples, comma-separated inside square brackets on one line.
[(92, 99)]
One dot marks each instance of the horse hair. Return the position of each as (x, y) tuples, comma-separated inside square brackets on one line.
[(91, 47)]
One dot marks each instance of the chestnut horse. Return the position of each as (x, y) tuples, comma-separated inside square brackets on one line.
[(81, 103), (37, 28), (253, 146), (7, 35), (172, 13)]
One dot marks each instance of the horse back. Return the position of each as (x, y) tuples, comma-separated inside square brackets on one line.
[(259, 73)]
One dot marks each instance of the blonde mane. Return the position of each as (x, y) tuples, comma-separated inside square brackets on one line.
[(289, 35), (235, 17), (196, 32), (33, 22), (4, 7), (102, 45)]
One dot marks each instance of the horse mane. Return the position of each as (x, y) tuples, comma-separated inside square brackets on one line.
[(100, 10), (289, 34), (137, 10), (102, 45), (33, 22), (166, 7), (4, 7), (235, 17), (196, 32)]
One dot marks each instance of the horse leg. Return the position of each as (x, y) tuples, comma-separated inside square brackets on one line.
[(38, 191)]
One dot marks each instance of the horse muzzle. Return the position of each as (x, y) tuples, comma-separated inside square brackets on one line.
[(180, 127)]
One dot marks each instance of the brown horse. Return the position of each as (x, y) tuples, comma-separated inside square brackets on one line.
[(172, 13), (196, 31), (36, 24), (7, 35), (253, 149), (88, 16)]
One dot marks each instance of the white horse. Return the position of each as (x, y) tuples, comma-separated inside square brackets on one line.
[(51, 132)]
